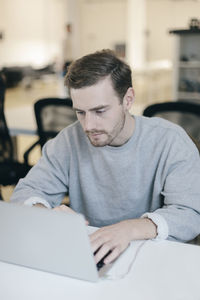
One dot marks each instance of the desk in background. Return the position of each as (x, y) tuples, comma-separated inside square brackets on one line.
[(162, 271), (21, 120)]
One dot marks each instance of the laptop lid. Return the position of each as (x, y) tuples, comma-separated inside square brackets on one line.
[(47, 240)]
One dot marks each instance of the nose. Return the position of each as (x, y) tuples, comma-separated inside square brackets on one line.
[(89, 123)]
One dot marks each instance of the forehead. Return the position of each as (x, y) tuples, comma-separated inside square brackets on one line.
[(101, 93)]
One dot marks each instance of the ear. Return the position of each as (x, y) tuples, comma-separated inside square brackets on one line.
[(129, 98)]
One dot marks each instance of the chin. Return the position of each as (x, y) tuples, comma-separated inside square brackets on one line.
[(98, 143)]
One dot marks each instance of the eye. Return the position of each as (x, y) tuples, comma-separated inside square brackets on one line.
[(79, 112), (100, 111)]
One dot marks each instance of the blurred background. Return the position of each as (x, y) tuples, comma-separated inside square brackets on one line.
[(39, 38)]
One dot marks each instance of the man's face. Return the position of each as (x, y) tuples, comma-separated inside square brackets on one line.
[(100, 113)]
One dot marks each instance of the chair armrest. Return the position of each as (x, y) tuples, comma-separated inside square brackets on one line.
[(26, 154)]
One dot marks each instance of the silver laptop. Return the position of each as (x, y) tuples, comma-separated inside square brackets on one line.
[(47, 240)]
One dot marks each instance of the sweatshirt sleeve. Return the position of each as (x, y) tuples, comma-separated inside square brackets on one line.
[(181, 190), (48, 179)]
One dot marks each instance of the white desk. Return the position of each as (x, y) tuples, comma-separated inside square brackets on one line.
[(163, 270), (21, 120)]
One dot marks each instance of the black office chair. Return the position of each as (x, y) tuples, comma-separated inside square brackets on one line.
[(52, 115), (185, 114), (10, 169)]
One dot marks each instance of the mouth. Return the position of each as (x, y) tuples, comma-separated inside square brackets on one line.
[(94, 134)]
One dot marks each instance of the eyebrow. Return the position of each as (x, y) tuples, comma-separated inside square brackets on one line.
[(94, 108)]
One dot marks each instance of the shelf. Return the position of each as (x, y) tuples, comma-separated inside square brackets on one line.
[(188, 95), (189, 65), (186, 31)]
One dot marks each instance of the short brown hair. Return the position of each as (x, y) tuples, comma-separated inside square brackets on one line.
[(91, 68)]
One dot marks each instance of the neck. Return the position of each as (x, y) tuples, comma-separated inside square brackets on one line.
[(126, 132)]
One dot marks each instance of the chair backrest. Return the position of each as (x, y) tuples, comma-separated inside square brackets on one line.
[(185, 114), (52, 115), (6, 147)]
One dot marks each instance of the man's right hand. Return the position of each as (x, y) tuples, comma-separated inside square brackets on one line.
[(39, 205), (67, 209), (64, 208), (57, 208)]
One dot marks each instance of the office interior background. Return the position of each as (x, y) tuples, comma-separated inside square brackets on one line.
[(32, 34)]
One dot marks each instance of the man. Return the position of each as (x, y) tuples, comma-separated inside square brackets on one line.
[(135, 177)]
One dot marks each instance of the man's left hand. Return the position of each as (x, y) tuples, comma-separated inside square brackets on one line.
[(116, 238)]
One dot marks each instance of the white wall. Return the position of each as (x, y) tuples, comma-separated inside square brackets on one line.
[(32, 31), (135, 33), (106, 22), (102, 24), (162, 16)]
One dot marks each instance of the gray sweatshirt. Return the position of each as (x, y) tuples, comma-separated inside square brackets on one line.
[(156, 173)]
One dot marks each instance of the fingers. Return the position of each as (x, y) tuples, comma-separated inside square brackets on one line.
[(67, 209), (110, 255), (114, 254), (63, 208), (105, 244), (97, 241), (101, 252), (113, 238)]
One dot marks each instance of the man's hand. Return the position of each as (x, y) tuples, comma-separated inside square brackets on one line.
[(39, 205), (58, 208), (64, 208), (67, 209), (118, 236)]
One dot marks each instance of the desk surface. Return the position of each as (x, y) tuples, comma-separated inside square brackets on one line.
[(162, 270), (21, 120)]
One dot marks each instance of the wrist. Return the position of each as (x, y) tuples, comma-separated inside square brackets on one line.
[(36, 200), (160, 222), (141, 229), (39, 205)]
